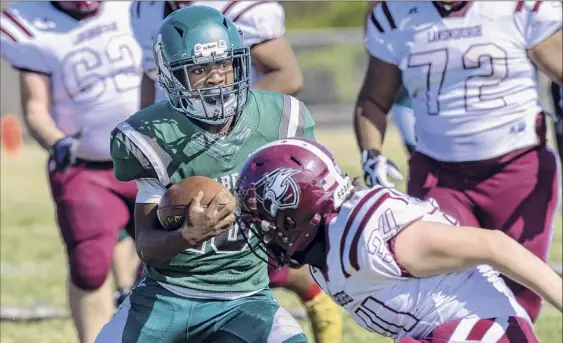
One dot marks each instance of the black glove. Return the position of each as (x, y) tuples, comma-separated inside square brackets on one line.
[(63, 153), (376, 168)]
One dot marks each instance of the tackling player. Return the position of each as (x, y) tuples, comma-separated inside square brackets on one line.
[(273, 68), (201, 283), (481, 149), (79, 76), (397, 264)]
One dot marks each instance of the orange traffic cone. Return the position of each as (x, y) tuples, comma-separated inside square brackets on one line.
[(11, 135)]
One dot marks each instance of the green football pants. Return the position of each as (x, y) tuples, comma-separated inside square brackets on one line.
[(152, 314)]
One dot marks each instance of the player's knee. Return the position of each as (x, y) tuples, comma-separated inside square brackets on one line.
[(90, 264), (285, 328)]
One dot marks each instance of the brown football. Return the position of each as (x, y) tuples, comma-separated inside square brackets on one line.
[(174, 203)]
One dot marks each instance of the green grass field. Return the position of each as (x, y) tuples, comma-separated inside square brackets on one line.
[(30, 241)]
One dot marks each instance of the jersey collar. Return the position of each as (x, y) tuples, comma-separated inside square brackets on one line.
[(453, 9)]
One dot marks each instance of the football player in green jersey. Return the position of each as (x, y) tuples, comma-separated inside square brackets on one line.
[(201, 283)]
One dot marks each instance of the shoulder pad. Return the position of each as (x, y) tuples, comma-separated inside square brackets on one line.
[(135, 139), (288, 116), (20, 36), (369, 220), (145, 27), (537, 20), (259, 21)]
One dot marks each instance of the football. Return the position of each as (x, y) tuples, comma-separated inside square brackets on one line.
[(174, 203)]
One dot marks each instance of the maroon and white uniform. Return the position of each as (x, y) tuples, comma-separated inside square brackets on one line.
[(259, 22), (363, 276), (94, 67), (481, 148)]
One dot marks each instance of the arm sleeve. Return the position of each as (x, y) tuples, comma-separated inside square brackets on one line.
[(296, 120), (309, 124), (260, 22), (150, 191), (394, 211), (377, 40), (129, 163), (19, 46), (537, 20), (141, 30)]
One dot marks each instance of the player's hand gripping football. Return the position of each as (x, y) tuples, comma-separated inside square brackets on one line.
[(377, 167), (203, 223)]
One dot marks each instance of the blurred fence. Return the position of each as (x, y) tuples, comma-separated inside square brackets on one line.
[(332, 60)]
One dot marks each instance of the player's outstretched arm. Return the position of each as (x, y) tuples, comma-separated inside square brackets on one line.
[(376, 97), (35, 100), (429, 248), (547, 56), (276, 60)]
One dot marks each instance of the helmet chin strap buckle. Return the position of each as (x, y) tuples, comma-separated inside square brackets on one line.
[(316, 219)]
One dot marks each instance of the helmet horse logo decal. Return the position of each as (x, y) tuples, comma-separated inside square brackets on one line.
[(277, 190)]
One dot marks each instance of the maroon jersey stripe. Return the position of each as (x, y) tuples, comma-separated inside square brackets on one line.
[(388, 15), (228, 7), (376, 23), (7, 34), (350, 221), (17, 23), (519, 6), (248, 9), (536, 6), (354, 246), (479, 330)]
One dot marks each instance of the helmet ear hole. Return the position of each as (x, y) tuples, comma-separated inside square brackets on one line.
[(289, 224), (180, 31)]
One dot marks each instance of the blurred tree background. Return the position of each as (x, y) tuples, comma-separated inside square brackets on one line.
[(323, 14)]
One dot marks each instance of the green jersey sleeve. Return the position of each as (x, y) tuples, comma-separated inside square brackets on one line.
[(296, 120), (129, 163), (309, 131)]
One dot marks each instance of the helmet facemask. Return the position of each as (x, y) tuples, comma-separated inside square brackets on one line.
[(279, 238), (213, 104)]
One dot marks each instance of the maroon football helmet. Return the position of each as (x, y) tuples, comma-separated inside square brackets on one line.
[(79, 7), (285, 191)]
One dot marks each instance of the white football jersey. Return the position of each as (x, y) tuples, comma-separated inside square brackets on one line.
[(472, 84), (94, 66), (363, 276), (259, 21)]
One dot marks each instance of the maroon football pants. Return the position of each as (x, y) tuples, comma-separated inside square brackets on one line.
[(498, 330), (92, 206), (516, 193)]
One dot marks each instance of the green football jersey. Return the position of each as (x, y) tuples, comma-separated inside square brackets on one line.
[(161, 143)]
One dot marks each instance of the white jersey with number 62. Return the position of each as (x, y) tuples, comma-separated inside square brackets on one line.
[(472, 84), (94, 66)]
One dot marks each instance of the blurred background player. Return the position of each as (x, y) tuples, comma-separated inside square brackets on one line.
[(201, 282), (79, 74), (403, 117), (394, 262), (275, 69), (481, 149), (557, 97)]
